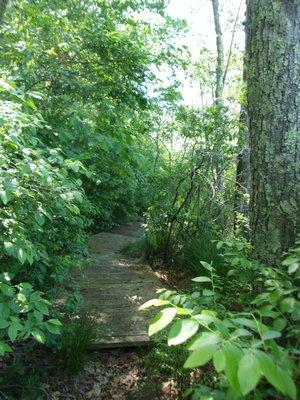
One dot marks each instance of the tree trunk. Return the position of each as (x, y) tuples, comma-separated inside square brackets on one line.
[(220, 67), (3, 5), (273, 88)]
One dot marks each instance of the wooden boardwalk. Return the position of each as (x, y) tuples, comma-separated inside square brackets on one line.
[(114, 286)]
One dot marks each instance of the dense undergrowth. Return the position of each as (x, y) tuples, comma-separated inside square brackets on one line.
[(90, 138)]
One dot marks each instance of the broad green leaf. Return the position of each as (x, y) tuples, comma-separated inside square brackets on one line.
[(6, 289), (201, 279), (200, 356), (270, 335), (154, 303), (206, 265), (204, 339), (4, 323), (4, 348), (39, 336), (53, 326), (287, 305), (219, 360), (271, 372), (41, 307), (21, 256), (290, 387), (38, 316), (183, 311), (161, 320), (248, 372), (181, 331), (13, 330), (279, 324), (233, 355), (40, 218), (3, 197), (203, 319), (9, 248)]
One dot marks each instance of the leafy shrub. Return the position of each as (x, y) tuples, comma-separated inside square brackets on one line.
[(40, 214), (245, 347), (24, 314)]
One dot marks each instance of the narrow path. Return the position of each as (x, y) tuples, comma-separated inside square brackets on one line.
[(114, 286)]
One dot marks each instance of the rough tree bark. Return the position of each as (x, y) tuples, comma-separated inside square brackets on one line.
[(273, 94), (3, 5)]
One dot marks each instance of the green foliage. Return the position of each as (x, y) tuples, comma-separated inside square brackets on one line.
[(40, 213), (74, 133), (255, 347), (24, 314)]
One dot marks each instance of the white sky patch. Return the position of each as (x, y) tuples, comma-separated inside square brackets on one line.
[(199, 16)]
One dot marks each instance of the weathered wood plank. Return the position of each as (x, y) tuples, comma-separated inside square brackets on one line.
[(113, 287)]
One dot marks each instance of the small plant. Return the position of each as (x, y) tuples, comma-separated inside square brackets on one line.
[(76, 338)]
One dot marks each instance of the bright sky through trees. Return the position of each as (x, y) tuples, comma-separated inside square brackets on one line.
[(199, 16)]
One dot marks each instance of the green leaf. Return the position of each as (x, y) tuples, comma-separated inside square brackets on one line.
[(21, 256), (161, 320), (4, 348), (38, 316), (270, 335), (6, 289), (9, 248), (200, 356), (287, 305), (271, 372), (181, 331), (290, 387), (219, 360), (38, 335), (41, 307), (233, 355), (276, 376), (4, 323), (53, 326), (3, 197), (204, 339), (13, 330), (39, 217), (248, 373), (201, 279), (154, 303), (206, 265)]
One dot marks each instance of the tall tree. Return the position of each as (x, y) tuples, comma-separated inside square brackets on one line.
[(273, 88)]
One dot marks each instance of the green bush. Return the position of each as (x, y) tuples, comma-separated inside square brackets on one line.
[(23, 314), (254, 350)]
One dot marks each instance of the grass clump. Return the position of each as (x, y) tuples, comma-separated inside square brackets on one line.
[(76, 338)]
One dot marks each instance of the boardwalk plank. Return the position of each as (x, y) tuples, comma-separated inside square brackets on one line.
[(113, 287)]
